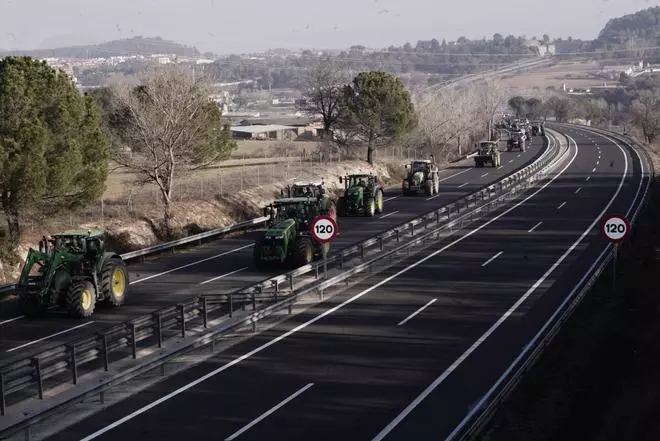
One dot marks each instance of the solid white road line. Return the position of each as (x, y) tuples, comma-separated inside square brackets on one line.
[(390, 199), (484, 175), (568, 298), (578, 190), (49, 336), (388, 214), (429, 303), (268, 413), (383, 433), (534, 227), (454, 175), (324, 314), (12, 319), (561, 205), (223, 276), (191, 264), (492, 258)]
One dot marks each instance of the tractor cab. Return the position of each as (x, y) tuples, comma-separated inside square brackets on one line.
[(486, 147), (307, 189), (364, 180), (423, 166)]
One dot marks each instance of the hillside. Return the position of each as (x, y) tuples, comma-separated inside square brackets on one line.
[(630, 32), (126, 47)]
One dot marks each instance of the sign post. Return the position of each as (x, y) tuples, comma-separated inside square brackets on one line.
[(616, 228), (324, 229)]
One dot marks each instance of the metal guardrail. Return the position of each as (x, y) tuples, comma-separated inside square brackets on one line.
[(481, 413), (61, 364)]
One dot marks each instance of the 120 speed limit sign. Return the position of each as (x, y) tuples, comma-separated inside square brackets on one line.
[(323, 229), (616, 228)]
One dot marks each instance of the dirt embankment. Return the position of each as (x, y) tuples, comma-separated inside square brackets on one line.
[(194, 215), (600, 377)]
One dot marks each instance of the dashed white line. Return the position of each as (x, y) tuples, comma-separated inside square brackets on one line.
[(463, 185), (597, 163), (534, 227), (588, 177), (492, 258), (49, 336), (594, 170), (387, 200), (268, 413), (223, 276), (484, 175), (561, 205), (454, 175), (517, 156), (511, 160), (12, 319), (388, 214), (191, 264), (578, 190), (429, 303), (501, 166)]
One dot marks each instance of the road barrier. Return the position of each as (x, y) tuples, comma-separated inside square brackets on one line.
[(121, 352), (473, 425)]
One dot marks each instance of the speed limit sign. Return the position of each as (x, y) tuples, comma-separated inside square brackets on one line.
[(616, 228), (323, 229)]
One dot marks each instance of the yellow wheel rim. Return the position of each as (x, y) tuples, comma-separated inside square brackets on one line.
[(87, 297), (118, 282)]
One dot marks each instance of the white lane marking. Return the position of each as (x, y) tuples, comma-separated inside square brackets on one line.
[(588, 177), (501, 166), (594, 170), (492, 258), (191, 264), (597, 162), (511, 160), (518, 156), (12, 319), (463, 185), (578, 190), (223, 276), (268, 413), (484, 175), (383, 433), (561, 205), (324, 314), (390, 199), (49, 336), (454, 175), (569, 297), (429, 303), (388, 214), (534, 227)]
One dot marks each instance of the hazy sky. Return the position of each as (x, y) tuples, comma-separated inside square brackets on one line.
[(232, 26)]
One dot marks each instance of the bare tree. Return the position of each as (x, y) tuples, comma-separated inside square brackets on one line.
[(165, 125), (645, 113), (490, 96), (324, 89)]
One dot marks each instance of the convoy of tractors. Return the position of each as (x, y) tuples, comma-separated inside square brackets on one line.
[(75, 271)]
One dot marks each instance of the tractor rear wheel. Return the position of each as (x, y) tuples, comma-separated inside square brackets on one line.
[(341, 206), (370, 207), (379, 201), (81, 299), (114, 281), (304, 253), (31, 306)]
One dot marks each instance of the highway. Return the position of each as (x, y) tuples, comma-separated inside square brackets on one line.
[(406, 353), (226, 265)]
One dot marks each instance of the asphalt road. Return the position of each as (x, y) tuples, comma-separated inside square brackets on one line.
[(407, 353), (226, 265)]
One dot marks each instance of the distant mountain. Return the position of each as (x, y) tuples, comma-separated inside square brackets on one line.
[(126, 47), (632, 30)]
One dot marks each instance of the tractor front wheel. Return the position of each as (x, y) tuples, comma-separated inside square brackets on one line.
[(114, 281), (379, 201), (304, 254), (341, 206), (81, 299), (370, 207)]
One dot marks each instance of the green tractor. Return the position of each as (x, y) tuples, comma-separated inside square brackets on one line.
[(362, 194), (72, 270), (287, 241), (312, 189), (487, 152)]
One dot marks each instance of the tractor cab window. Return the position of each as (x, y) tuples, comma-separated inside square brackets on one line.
[(419, 166)]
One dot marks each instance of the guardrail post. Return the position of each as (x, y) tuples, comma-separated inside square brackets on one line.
[(3, 403), (231, 304), (290, 276), (133, 342), (158, 325), (380, 243), (40, 381), (398, 239), (362, 252), (205, 311), (104, 352), (74, 363), (182, 320), (254, 301), (316, 271)]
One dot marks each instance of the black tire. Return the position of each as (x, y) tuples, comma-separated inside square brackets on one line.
[(31, 306), (379, 201), (341, 206), (304, 253), (428, 187), (114, 282), (370, 207), (81, 299)]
